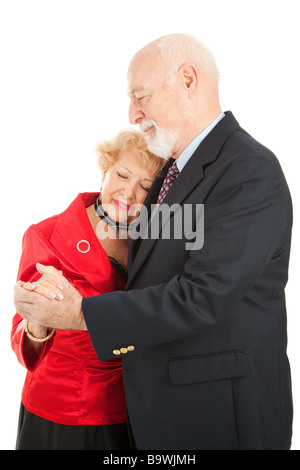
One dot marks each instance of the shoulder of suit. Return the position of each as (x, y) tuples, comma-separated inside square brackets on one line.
[(242, 145)]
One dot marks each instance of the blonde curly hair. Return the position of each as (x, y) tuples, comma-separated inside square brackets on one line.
[(128, 140)]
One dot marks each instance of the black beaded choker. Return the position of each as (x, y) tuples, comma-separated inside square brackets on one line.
[(107, 219)]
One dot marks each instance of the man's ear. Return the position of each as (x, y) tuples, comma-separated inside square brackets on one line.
[(189, 77)]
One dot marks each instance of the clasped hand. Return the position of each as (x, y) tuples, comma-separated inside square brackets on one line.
[(52, 301)]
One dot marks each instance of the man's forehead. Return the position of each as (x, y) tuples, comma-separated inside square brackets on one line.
[(143, 81), (139, 80), (143, 69)]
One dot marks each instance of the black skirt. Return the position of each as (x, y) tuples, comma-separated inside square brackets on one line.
[(36, 433)]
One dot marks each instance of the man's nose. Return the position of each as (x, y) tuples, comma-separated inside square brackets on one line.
[(136, 115)]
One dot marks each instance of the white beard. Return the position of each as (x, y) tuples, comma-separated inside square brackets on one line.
[(160, 142)]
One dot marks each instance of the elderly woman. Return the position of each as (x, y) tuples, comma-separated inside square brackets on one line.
[(71, 400)]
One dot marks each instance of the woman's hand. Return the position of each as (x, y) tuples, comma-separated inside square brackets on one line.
[(38, 303), (49, 286), (51, 289)]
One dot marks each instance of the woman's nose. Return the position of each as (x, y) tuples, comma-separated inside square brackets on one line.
[(136, 115), (129, 191)]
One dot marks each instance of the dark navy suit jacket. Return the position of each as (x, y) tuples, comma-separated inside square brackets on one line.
[(209, 368)]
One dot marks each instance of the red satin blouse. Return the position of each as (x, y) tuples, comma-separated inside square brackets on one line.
[(67, 383)]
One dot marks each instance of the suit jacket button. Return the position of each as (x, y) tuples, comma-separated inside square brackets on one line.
[(123, 350), (130, 348), (116, 352)]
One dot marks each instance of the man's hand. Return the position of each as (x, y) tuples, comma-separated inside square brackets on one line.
[(52, 301)]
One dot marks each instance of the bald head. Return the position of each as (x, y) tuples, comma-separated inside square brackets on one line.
[(174, 80), (171, 51)]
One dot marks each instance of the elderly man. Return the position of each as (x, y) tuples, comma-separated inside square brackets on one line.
[(202, 330)]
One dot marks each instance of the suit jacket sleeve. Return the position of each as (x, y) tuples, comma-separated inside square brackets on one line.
[(245, 220), (35, 249)]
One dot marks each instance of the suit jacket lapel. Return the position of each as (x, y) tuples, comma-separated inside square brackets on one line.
[(191, 176)]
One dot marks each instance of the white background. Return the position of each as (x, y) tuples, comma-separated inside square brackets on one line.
[(63, 89)]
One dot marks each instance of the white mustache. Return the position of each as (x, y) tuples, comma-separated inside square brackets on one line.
[(146, 123), (160, 142)]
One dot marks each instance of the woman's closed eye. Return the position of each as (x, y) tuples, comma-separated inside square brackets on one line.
[(145, 188)]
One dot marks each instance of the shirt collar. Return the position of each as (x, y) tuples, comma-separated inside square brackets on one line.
[(190, 149)]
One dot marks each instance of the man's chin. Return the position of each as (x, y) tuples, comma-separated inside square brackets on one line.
[(160, 150)]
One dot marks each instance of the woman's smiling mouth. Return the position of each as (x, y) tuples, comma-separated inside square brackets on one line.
[(121, 205)]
